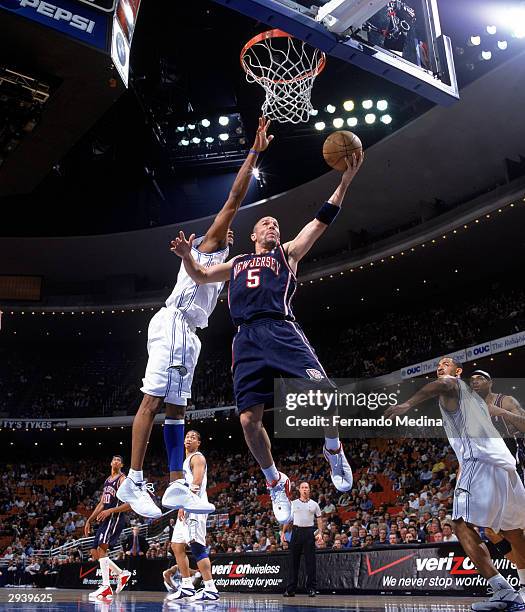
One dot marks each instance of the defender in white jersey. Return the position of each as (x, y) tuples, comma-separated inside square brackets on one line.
[(489, 492), (191, 528), (173, 349)]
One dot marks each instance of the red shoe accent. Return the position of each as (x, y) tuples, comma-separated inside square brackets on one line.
[(287, 490), (272, 484), (107, 592), (124, 580)]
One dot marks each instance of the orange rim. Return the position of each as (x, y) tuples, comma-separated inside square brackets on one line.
[(279, 34)]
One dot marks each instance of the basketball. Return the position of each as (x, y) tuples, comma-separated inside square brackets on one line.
[(339, 145)]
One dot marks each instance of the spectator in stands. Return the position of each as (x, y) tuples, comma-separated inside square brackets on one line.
[(448, 535), (135, 545)]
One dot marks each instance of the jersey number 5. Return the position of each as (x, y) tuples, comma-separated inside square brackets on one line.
[(253, 279)]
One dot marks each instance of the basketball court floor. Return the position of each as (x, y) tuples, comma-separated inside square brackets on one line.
[(77, 600)]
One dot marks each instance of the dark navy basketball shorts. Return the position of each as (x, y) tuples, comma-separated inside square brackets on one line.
[(109, 530), (266, 349)]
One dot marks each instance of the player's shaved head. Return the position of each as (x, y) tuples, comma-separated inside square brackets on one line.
[(261, 220)]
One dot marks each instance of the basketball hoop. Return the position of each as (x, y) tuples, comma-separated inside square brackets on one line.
[(286, 68)]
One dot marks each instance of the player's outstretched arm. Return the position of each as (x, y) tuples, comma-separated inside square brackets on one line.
[(201, 275), (215, 238), (446, 385), (297, 248)]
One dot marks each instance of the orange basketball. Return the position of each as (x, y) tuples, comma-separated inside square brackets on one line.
[(339, 145)]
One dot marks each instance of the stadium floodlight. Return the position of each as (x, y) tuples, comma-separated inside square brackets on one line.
[(348, 105), (224, 136), (339, 15), (502, 45), (486, 55), (338, 123), (196, 140), (474, 41), (314, 112), (191, 126), (256, 173), (351, 121), (330, 108), (370, 118), (205, 123), (184, 142), (382, 105), (492, 29), (320, 126), (386, 119), (224, 120), (367, 104), (209, 139), (180, 128)]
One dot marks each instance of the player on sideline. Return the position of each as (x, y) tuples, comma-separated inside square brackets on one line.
[(269, 342), (509, 419), (111, 517), (174, 348), (191, 529), (489, 492)]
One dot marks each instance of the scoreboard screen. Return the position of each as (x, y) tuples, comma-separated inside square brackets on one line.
[(23, 288)]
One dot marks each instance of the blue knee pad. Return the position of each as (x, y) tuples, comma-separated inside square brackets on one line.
[(199, 551)]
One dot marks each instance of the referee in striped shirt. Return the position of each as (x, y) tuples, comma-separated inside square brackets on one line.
[(305, 511)]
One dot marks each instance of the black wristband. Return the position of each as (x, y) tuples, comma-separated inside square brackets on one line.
[(327, 213)]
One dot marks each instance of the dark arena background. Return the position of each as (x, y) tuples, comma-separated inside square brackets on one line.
[(123, 122)]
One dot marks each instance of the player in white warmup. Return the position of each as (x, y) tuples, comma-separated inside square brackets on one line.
[(489, 492), (191, 529), (173, 348)]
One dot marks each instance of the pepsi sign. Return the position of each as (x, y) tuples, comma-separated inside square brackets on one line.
[(81, 23)]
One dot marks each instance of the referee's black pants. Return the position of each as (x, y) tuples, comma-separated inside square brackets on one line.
[(303, 540)]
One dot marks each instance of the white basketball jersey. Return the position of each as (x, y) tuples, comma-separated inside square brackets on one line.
[(197, 302), (471, 433), (188, 475)]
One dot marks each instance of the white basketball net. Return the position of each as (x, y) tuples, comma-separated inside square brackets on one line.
[(286, 68)]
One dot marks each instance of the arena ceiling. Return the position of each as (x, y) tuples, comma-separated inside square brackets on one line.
[(121, 175)]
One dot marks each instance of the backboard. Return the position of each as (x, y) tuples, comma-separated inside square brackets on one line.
[(398, 40)]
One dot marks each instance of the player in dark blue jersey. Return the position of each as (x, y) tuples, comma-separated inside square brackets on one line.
[(109, 513), (269, 342)]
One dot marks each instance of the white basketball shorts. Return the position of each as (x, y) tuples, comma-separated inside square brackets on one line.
[(489, 496), (173, 351), (191, 529)]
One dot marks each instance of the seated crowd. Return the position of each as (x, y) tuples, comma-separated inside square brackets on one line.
[(103, 379), (402, 494)]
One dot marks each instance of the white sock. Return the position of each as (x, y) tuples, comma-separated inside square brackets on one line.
[(186, 582), (521, 574), (116, 569), (104, 568), (271, 473), (209, 585), (332, 443), (498, 583), (136, 475)]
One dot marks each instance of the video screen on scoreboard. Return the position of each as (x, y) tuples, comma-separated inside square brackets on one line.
[(23, 288), (401, 27)]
